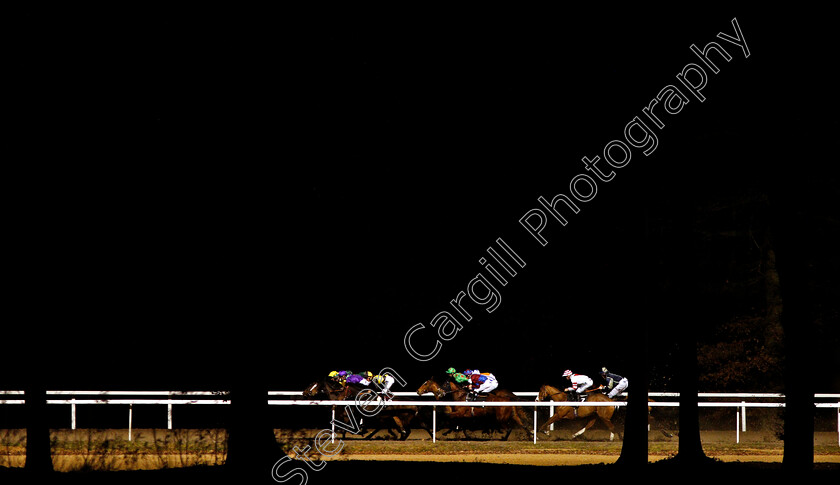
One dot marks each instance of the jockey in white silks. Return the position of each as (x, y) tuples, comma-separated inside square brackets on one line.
[(384, 382), (481, 383), (580, 383)]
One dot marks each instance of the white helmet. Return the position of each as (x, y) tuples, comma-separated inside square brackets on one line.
[(567, 373)]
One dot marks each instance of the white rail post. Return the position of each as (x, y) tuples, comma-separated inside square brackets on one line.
[(744, 416), (434, 424), (130, 412), (535, 424), (737, 426), (550, 414), (169, 415), (332, 423), (73, 414)]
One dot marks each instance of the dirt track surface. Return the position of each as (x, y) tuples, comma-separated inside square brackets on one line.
[(562, 459), (558, 450)]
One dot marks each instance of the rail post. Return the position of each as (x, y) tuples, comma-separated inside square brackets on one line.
[(73, 414), (130, 413), (169, 415), (550, 414), (744, 416), (737, 427), (535, 424), (434, 424)]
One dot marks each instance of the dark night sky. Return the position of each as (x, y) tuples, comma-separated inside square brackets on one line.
[(212, 206)]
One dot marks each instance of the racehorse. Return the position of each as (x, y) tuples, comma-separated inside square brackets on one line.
[(593, 413), (387, 417), (651, 419), (324, 388), (503, 416)]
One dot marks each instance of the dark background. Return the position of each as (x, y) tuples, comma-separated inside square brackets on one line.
[(197, 202)]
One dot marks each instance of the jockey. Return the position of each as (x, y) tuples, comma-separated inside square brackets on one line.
[(384, 383), (615, 383), (456, 376), (482, 382), (342, 375), (580, 383), (363, 378), (336, 377)]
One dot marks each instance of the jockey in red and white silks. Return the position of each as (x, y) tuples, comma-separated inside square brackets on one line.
[(580, 382)]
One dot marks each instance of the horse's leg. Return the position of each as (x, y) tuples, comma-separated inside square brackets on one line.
[(562, 413), (661, 427), (425, 425), (588, 425), (403, 425), (519, 421), (606, 415), (606, 420)]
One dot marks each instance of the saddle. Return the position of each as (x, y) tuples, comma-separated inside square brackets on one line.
[(475, 396)]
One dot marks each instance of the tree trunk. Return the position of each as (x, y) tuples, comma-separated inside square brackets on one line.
[(690, 447), (634, 448), (38, 454), (792, 239), (252, 447), (690, 306)]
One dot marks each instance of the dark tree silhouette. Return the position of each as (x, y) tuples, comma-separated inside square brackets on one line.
[(642, 295), (634, 449), (38, 455), (684, 289), (797, 226), (252, 448)]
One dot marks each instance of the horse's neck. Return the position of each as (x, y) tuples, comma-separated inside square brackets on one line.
[(458, 395), (352, 389), (556, 394)]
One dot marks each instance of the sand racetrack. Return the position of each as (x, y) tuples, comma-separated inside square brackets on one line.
[(558, 450)]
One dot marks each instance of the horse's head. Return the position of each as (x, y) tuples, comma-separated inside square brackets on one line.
[(313, 389), (549, 392), (430, 386)]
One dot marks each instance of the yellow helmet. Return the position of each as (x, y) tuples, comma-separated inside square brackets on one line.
[(333, 373), (368, 374)]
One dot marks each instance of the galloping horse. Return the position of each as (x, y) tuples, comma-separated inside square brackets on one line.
[(604, 413), (388, 417), (324, 388), (502, 415)]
